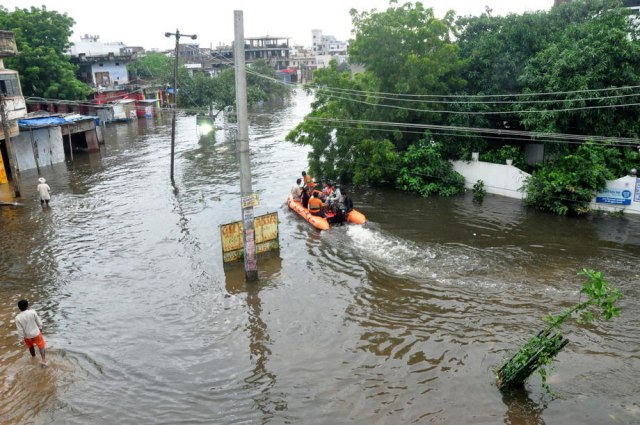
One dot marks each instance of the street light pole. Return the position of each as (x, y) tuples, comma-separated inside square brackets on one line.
[(175, 90)]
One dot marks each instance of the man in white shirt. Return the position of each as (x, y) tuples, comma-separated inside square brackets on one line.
[(296, 190), (29, 330), (44, 189)]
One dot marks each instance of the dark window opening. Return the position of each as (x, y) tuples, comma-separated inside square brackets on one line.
[(9, 85)]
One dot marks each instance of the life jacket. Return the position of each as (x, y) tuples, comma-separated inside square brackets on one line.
[(308, 180), (315, 205)]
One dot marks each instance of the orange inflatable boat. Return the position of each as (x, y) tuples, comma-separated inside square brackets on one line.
[(322, 223)]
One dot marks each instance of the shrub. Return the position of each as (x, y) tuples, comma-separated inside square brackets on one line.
[(424, 171), (566, 184)]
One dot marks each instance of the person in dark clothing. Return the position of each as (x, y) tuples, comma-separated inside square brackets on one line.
[(305, 198), (347, 201)]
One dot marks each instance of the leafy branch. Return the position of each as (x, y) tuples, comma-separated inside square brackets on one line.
[(538, 353)]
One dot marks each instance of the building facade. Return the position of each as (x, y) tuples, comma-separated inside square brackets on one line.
[(327, 48), (101, 65)]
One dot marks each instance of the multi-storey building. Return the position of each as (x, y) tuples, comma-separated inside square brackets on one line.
[(102, 65), (327, 48), (273, 50)]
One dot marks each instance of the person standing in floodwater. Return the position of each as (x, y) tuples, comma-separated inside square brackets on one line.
[(44, 189), (30, 330)]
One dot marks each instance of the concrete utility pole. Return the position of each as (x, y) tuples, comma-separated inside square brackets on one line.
[(175, 90), (250, 263), (15, 173)]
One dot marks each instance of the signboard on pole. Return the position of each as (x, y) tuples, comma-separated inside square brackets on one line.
[(250, 201), (264, 233)]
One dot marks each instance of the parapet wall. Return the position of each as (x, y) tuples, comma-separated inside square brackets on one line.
[(507, 180)]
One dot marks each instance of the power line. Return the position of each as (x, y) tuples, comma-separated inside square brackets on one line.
[(437, 111), (465, 96), (461, 102), (476, 136), (625, 141)]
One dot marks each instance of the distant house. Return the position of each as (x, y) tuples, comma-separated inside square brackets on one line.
[(327, 48), (303, 60), (273, 50), (102, 65)]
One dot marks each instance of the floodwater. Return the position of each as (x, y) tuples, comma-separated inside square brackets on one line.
[(399, 321)]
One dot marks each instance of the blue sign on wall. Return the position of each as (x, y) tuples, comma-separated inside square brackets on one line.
[(614, 196)]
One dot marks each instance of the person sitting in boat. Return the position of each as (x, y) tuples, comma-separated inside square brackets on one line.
[(304, 198), (336, 196), (346, 203), (316, 206), (327, 189), (296, 190)]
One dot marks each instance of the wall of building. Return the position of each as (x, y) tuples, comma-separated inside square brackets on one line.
[(44, 145), (504, 180), (117, 72), (507, 180), (623, 193)]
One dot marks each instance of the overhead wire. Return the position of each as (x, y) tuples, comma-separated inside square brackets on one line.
[(466, 96), (562, 136), (467, 102)]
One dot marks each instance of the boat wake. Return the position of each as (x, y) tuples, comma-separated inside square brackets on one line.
[(392, 255)]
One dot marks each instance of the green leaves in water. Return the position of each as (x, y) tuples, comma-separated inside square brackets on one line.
[(539, 352)]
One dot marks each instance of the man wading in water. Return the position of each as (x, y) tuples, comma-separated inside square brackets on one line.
[(29, 329)]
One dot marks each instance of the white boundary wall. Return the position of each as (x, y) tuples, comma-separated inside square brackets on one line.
[(621, 194), (504, 180), (507, 180)]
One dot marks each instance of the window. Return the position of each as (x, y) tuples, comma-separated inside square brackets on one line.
[(9, 85)]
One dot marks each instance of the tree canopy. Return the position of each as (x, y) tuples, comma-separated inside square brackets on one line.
[(202, 91), (42, 37), (404, 49), (569, 70)]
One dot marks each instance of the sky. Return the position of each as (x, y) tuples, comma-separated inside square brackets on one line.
[(143, 23)]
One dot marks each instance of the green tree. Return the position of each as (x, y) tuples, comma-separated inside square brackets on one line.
[(42, 37), (424, 171), (501, 154), (404, 49), (598, 52), (217, 93), (566, 184), (376, 161), (152, 68)]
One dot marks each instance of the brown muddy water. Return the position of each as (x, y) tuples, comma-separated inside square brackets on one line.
[(395, 322)]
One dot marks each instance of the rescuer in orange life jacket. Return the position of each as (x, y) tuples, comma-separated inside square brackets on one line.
[(307, 180), (316, 205)]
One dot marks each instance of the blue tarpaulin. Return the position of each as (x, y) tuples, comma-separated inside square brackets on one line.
[(40, 122), (46, 121)]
